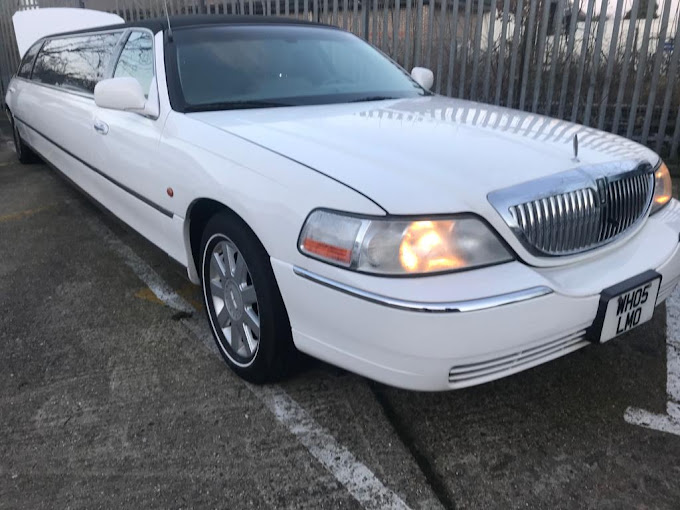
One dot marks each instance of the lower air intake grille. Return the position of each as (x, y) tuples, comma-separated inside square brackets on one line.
[(666, 290), (461, 376)]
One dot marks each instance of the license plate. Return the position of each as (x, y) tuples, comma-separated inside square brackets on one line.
[(625, 306)]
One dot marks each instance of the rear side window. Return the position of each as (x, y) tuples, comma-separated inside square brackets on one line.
[(136, 60), (26, 65), (75, 63)]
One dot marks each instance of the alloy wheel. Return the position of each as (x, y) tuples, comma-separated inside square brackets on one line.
[(234, 299)]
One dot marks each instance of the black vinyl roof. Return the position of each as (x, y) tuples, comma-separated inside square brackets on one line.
[(158, 24)]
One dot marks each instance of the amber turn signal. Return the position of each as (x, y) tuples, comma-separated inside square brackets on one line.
[(663, 187)]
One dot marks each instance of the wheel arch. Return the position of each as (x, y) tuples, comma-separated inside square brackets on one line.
[(198, 214)]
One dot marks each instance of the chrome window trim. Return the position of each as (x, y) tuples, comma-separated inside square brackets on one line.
[(60, 89), (583, 177), (471, 305), (115, 55), (122, 29)]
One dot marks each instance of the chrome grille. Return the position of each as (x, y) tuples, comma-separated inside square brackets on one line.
[(584, 217)]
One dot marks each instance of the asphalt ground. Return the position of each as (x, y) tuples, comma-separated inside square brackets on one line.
[(111, 398)]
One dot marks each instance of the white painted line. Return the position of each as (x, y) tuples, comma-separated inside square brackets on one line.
[(358, 479), (355, 476), (673, 353), (660, 422), (145, 273), (669, 422)]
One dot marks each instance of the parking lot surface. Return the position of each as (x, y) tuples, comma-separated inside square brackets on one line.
[(112, 396)]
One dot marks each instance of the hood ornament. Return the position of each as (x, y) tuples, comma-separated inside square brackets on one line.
[(575, 147)]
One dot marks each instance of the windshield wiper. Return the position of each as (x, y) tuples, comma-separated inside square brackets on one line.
[(234, 105), (372, 98)]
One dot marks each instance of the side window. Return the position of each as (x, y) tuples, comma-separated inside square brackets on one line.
[(136, 60), (75, 63), (26, 65)]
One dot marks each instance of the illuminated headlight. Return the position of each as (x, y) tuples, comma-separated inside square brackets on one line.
[(663, 187), (395, 246)]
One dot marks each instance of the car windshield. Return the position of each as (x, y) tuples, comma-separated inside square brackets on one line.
[(231, 67)]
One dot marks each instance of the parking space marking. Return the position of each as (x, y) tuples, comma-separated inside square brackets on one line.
[(145, 273), (354, 475), (669, 422)]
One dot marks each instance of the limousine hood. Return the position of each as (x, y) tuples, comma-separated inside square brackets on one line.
[(425, 155)]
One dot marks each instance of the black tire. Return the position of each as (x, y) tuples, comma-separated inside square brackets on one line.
[(275, 355), (24, 154)]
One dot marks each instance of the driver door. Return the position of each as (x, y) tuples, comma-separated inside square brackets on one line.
[(128, 143)]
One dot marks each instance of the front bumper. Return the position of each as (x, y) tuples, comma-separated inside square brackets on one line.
[(440, 349)]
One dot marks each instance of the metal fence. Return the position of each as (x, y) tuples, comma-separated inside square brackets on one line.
[(610, 64)]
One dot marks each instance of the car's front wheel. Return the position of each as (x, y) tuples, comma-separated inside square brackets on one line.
[(245, 308), (24, 154)]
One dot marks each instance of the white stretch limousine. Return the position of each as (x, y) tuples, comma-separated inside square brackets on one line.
[(329, 203)]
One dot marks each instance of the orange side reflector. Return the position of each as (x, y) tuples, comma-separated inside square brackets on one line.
[(327, 251)]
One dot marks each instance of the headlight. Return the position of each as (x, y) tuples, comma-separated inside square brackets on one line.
[(663, 187), (400, 246)]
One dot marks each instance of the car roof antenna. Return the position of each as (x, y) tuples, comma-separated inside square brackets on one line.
[(167, 17)]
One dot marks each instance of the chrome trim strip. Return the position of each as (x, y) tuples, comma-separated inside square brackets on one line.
[(471, 305), (122, 186), (115, 54), (85, 95), (94, 31)]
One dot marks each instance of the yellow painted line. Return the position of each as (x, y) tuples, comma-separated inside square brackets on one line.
[(25, 214), (147, 295), (188, 292), (7, 163)]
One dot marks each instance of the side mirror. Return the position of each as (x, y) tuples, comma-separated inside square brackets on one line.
[(120, 94), (423, 77)]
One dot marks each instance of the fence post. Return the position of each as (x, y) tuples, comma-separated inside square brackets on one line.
[(671, 73), (5, 47), (649, 111), (418, 33)]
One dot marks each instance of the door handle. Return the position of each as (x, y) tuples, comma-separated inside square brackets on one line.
[(101, 127)]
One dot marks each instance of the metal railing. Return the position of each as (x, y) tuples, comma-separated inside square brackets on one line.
[(610, 64)]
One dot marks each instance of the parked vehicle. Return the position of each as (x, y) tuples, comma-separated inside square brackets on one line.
[(329, 203)]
